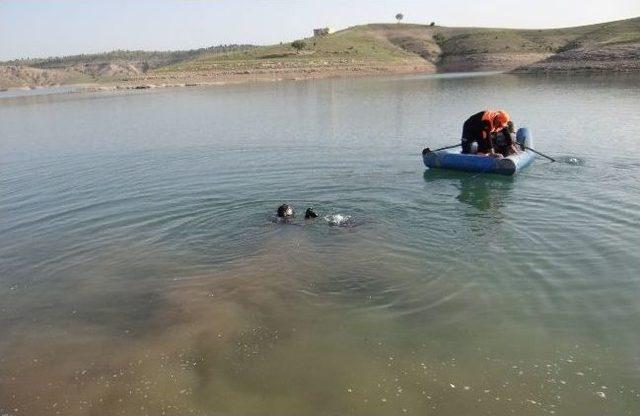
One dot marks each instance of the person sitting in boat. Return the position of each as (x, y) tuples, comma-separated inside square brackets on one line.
[(505, 142), (480, 128)]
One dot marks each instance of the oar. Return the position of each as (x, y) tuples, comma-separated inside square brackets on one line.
[(538, 153), (427, 150)]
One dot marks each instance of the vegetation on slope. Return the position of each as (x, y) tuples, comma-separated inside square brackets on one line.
[(115, 65), (444, 48), (368, 48), (153, 59)]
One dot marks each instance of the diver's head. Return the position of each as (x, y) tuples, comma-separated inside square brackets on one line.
[(285, 211)]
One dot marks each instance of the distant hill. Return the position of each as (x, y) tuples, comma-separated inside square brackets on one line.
[(98, 67), (441, 49), (366, 49), (153, 59)]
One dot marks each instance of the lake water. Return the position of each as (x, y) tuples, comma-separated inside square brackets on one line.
[(142, 273)]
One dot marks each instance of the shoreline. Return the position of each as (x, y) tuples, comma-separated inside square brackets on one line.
[(219, 80)]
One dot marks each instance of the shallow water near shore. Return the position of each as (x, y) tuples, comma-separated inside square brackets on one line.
[(142, 271)]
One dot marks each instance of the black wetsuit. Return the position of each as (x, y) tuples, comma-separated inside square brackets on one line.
[(503, 141), (472, 131)]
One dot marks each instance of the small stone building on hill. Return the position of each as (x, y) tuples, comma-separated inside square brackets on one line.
[(324, 31)]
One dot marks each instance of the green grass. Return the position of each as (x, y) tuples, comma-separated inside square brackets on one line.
[(153, 59), (384, 44), (393, 43), (80, 79), (355, 44)]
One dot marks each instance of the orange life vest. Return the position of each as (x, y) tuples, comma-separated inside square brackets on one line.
[(490, 116)]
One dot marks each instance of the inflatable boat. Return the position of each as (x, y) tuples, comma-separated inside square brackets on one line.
[(453, 159)]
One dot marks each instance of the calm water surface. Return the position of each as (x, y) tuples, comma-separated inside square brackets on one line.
[(141, 271)]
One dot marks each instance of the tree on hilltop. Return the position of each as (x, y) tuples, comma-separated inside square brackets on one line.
[(298, 45), (399, 17)]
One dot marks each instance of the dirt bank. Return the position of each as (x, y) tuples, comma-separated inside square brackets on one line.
[(607, 58)]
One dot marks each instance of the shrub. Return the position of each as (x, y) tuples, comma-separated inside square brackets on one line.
[(439, 38), (298, 45)]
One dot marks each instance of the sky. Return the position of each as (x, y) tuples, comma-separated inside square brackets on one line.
[(55, 27)]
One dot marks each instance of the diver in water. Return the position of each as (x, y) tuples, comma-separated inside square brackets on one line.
[(286, 213)]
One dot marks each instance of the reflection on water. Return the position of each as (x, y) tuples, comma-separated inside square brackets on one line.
[(142, 273), (485, 192)]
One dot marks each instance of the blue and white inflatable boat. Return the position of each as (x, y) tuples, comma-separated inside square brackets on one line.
[(453, 159)]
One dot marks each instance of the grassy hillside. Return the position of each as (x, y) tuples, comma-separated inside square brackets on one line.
[(113, 65), (464, 41), (154, 59), (353, 45), (373, 48), (441, 48)]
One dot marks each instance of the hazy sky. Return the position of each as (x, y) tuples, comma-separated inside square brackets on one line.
[(50, 28)]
